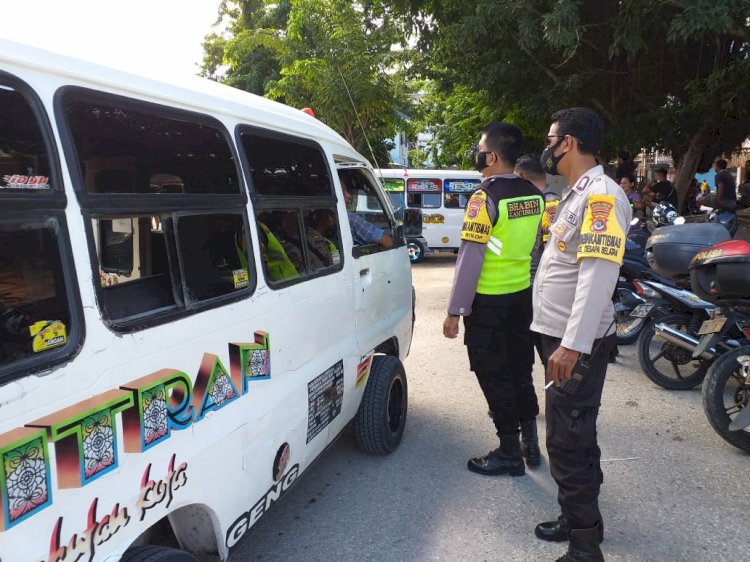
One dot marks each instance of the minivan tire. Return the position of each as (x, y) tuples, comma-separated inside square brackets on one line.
[(156, 554), (381, 419), (416, 251)]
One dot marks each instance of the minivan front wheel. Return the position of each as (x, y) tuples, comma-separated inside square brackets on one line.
[(381, 419)]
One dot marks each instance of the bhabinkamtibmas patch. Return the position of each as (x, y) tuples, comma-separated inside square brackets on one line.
[(524, 208), (477, 225), (601, 234)]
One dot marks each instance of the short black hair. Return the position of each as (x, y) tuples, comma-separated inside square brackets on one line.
[(582, 123), (531, 165), (661, 171), (624, 155), (721, 163), (504, 139), (631, 177)]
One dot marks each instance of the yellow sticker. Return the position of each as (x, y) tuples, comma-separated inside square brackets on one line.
[(241, 278), (562, 246), (601, 234), (47, 334), (477, 225)]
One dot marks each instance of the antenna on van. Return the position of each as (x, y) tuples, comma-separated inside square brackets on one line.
[(361, 126)]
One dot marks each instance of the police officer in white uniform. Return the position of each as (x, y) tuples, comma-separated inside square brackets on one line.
[(573, 314)]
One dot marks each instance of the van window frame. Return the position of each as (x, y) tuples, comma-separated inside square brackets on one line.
[(53, 205), (261, 202), (104, 205)]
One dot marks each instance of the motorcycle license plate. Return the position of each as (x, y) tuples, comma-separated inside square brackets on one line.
[(712, 326), (642, 310)]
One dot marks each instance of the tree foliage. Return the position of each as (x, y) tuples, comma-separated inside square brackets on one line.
[(669, 74), (331, 55)]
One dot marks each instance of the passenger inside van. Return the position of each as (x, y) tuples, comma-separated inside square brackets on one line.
[(363, 231)]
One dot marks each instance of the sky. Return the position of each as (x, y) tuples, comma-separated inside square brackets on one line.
[(154, 37)]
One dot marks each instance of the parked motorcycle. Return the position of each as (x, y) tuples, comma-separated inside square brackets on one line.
[(722, 274), (628, 295), (670, 336)]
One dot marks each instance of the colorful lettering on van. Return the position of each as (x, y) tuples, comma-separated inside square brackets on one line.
[(98, 531), (24, 475), (85, 437), (154, 416), (250, 361), (85, 434)]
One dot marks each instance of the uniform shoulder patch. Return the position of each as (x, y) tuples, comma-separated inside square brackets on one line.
[(477, 225), (601, 235)]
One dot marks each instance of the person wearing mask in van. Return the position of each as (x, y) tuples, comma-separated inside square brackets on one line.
[(320, 234), (363, 231), (491, 290)]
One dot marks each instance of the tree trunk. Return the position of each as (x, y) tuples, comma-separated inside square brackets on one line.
[(688, 164)]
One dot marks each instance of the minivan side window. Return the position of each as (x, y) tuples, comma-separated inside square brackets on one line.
[(40, 321), (394, 188), (295, 207), (457, 192), (367, 216), (424, 193), (164, 205)]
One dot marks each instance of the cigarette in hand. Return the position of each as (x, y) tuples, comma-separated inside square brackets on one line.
[(550, 383)]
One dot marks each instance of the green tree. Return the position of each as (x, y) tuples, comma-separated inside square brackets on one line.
[(332, 55), (668, 74)]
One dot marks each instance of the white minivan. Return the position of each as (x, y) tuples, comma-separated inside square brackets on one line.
[(185, 320), (441, 195)]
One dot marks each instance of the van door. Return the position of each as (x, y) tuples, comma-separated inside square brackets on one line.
[(382, 277)]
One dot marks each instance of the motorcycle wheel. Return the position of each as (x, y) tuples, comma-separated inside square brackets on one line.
[(725, 394), (667, 364), (628, 328)]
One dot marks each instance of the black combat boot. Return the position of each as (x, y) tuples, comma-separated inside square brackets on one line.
[(506, 459), (559, 530), (583, 546), (530, 443)]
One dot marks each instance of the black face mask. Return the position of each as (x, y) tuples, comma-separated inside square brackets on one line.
[(479, 159), (549, 161)]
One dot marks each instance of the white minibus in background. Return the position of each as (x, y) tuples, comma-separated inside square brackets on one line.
[(186, 322), (442, 197)]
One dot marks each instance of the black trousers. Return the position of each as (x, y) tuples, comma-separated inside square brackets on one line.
[(574, 455), (500, 348)]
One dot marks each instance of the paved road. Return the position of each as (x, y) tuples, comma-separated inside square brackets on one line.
[(673, 489)]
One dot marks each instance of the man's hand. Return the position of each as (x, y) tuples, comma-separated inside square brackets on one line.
[(450, 327), (560, 364)]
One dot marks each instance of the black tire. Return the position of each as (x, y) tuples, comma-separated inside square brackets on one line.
[(381, 419), (725, 394), (671, 367), (416, 251), (628, 328), (156, 554)]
